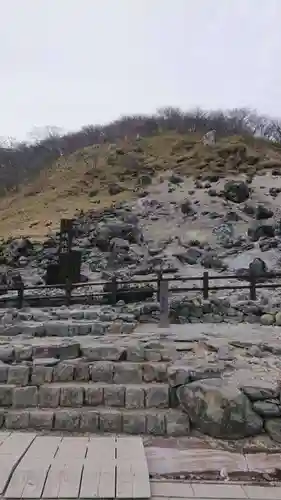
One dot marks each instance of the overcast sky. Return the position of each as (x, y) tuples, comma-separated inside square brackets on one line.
[(75, 62)]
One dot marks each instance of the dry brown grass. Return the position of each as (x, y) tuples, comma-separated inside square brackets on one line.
[(80, 181)]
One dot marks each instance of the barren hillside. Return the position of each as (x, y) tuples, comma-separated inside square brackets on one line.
[(99, 175)]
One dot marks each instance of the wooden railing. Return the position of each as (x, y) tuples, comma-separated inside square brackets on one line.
[(160, 285)]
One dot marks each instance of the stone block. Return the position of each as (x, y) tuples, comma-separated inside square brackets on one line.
[(177, 423), (157, 397), (23, 352), (82, 372), (6, 395), (155, 372), (152, 355), (102, 371), (6, 354), (18, 375), (41, 375), (25, 397), (114, 395), (110, 421), (41, 419), (63, 372), (103, 352), (135, 352), (72, 395), (134, 397), (67, 420), (134, 423), (49, 396), (127, 373), (3, 373), (156, 424), (94, 395), (89, 421), (15, 419), (69, 350)]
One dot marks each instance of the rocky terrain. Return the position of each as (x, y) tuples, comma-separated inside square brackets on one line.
[(107, 367)]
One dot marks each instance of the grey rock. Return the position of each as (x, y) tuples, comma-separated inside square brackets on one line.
[(49, 396), (25, 397), (41, 420), (268, 408), (157, 397), (236, 191), (6, 354), (134, 423), (273, 428), (114, 395), (260, 393), (63, 372), (72, 396), (94, 395), (89, 421), (15, 419), (41, 375), (18, 375), (127, 373), (110, 421), (68, 420), (135, 352), (102, 371), (177, 423), (178, 375), (3, 373), (156, 424), (134, 397), (155, 372), (103, 352), (6, 395), (219, 410)]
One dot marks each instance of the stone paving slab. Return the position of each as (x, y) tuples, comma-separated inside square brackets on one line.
[(202, 491)]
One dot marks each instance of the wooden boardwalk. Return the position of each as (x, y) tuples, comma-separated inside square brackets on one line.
[(48, 467)]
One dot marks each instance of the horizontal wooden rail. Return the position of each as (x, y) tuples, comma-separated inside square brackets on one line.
[(119, 288)]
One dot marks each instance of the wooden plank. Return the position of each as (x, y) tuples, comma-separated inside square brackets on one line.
[(64, 477), (3, 436), (98, 479), (11, 452), (30, 475), (132, 476), (75, 447)]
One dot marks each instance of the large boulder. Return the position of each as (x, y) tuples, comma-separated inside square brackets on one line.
[(106, 231), (236, 191), (258, 230), (219, 409)]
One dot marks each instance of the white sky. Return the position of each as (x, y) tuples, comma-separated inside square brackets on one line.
[(76, 62)]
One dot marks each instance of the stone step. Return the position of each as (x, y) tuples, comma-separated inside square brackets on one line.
[(78, 394), (79, 370), (86, 347), (158, 422)]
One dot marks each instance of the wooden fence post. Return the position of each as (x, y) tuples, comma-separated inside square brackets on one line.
[(68, 290), (164, 304), (159, 278), (114, 289), (205, 285), (253, 290), (20, 294)]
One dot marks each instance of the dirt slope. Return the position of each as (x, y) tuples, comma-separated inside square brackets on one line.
[(99, 176)]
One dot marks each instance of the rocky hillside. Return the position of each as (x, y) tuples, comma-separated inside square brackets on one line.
[(99, 175)]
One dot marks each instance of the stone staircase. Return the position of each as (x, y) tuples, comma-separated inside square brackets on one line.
[(100, 387)]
